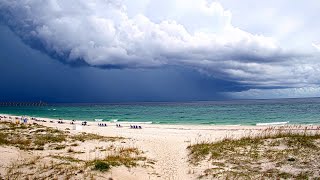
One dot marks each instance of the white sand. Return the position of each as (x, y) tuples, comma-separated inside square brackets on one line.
[(166, 144)]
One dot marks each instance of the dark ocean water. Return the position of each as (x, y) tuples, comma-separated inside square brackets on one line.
[(244, 112)]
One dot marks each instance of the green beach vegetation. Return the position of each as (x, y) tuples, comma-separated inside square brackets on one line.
[(66, 158), (272, 154)]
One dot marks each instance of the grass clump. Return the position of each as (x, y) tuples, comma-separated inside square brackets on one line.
[(245, 157), (29, 137), (128, 151), (59, 147), (101, 165), (89, 136), (216, 150), (129, 157), (40, 168), (70, 150), (43, 139), (3, 138), (74, 144)]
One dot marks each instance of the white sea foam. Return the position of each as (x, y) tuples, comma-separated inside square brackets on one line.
[(233, 125), (132, 122), (114, 120), (272, 123)]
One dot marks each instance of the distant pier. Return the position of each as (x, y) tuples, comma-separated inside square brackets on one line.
[(7, 104)]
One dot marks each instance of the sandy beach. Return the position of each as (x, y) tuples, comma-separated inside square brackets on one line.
[(165, 145)]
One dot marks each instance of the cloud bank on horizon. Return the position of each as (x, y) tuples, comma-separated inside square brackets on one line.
[(196, 34)]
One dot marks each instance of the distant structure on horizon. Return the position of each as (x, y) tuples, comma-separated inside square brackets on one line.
[(23, 104)]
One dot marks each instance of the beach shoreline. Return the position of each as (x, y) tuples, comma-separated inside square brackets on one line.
[(150, 124)]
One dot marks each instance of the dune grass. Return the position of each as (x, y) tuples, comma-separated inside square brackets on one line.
[(65, 161), (39, 168), (69, 167), (36, 137), (124, 156), (66, 158), (3, 138), (29, 137), (273, 154), (89, 136)]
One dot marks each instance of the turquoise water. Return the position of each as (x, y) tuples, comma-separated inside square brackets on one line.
[(245, 112)]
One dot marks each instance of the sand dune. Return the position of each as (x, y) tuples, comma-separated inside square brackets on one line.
[(165, 144)]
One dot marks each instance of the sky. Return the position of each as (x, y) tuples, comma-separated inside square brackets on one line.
[(152, 50)]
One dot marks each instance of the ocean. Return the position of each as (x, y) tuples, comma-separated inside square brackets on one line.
[(236, 112)]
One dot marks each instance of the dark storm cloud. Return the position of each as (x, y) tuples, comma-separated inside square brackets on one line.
[(28, 75)]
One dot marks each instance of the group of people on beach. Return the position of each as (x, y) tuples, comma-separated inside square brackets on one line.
[(102, 124), (118, 125), (38, 120), (84, 123), (17, 120), (135, 127), (24, 119)]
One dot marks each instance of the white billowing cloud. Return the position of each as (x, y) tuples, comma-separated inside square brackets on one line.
[(193, 33), (317, 46), (290, 23), (194, 15), (100, 33)]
